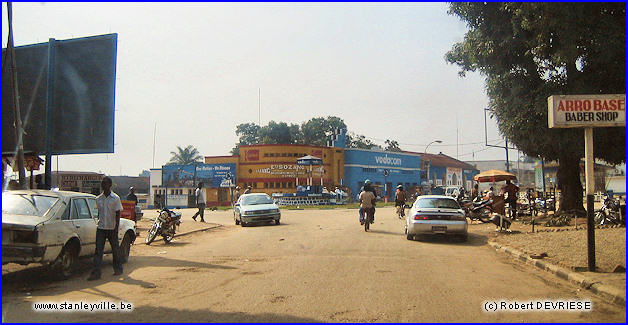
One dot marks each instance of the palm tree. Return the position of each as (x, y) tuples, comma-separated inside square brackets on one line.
[(186, 156)]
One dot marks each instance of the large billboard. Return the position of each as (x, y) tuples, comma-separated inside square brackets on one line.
[(212, 175), (83, 96)]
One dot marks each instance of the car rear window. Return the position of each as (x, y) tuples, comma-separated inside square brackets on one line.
[(26, 204), (437, 203), (256, 199)]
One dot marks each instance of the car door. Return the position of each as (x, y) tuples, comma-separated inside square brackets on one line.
[(85, 225)]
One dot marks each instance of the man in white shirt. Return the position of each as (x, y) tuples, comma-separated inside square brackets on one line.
[(199, 193), (109, 207)]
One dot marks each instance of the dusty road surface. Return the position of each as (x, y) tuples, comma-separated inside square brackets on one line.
[(317, 266)]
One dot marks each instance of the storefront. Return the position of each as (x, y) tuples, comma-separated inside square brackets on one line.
[(446, 171), (272, 168), (385, 169)]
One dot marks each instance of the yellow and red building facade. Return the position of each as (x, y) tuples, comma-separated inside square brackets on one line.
[(272, 168)]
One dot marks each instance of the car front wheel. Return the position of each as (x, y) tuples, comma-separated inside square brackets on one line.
[(125, 248)]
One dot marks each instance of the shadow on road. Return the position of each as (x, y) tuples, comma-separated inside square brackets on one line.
[(473, 240), (377, 231), (39, 278), (161, 314)]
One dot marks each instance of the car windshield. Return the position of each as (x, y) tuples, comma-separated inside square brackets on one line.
[(256, 199), (437, 203), (27, 204)]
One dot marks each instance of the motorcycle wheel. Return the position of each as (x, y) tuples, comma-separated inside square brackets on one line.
[(168, 239), (152, 233), (599, 218)]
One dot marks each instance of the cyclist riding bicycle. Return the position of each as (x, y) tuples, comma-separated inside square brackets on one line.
[(367, 202), (400, 201)]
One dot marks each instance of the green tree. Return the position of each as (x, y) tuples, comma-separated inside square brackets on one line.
[(186, 156), (317, 130), (360, 142), (530, 51), (392, 145), (277, 133)]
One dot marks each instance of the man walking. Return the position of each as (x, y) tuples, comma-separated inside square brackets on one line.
[(109, 207), (131, 196), (512, 190), (200, 202)]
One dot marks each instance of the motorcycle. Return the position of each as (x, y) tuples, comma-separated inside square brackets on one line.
[(609, 213), (165, 225), (545, 205), (477, 209)]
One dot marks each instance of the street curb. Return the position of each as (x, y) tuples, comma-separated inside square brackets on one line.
[(198, 230), (609, 293)]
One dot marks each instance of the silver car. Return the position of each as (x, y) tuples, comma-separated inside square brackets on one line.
[(256, 207), (54, 227), (436, 214)]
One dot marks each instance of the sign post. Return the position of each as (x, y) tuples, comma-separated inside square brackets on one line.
[(587, 111)]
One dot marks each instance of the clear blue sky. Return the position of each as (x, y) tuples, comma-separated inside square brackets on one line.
[(194, 69)]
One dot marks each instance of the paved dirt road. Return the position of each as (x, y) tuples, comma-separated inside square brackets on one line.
[(317, 266)]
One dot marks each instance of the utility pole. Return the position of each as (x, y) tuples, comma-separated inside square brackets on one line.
[(154, 135), (259, 107), (19, 132)]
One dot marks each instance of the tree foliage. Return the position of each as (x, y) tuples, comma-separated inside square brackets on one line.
[(186, 156), (360, 142), (530, 51), (392, 145)]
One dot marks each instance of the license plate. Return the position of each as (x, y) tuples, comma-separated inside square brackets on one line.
[(439, 228)]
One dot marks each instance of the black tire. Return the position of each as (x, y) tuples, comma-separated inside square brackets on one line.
[(599, 218), (277, 222), (463, 238), (367, 222), (409, 237), (66, 261), (125, 248), (237, 222), (168, 238), (243, 224), (152, 233)]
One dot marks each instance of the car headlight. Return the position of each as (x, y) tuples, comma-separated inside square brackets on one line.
[(247, 213)]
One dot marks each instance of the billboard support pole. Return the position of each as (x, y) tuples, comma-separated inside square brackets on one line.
[(590, 187), (18, 117), (49, 108)]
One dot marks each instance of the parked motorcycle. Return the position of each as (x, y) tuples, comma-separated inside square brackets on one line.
[(477, 209), (165, 225), (609, 213)]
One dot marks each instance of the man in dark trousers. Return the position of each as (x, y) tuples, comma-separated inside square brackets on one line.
[(200, 202), (109, 207), (131, 196), (512, 190)]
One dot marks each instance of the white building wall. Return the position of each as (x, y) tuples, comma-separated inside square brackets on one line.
[(155, 181)]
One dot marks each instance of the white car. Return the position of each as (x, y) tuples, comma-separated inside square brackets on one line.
[(256, 207), (436, 214), (54, 227)]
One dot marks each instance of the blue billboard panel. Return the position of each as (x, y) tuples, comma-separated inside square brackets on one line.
[(83, 71), (212, 175)]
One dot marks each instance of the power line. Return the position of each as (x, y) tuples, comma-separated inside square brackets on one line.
[(434, 145)]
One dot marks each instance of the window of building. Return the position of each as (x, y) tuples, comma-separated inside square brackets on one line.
[(271, 155), (283, 184), (272, 184), (265, 185), (254, 185), (266, 154), (277, 185), (289, 154), (283, 154)]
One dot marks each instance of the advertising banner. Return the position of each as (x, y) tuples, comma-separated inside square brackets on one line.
[(586, 111), (212, 175)]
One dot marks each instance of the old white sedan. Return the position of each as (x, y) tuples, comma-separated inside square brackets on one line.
[(54, 228), (436, 214)]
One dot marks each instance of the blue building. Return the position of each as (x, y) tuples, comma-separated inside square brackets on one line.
[(442, 170), (385, 169)]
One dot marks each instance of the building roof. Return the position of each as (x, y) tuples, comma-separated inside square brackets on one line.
[(442, 160)]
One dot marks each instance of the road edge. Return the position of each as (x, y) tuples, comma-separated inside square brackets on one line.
[(609, 293), (214, 225)]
